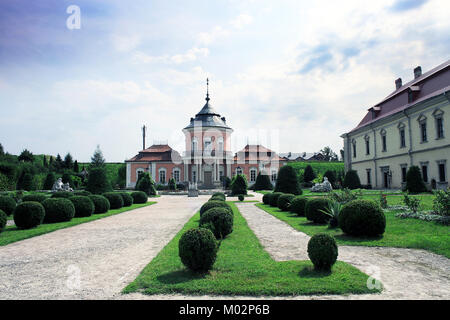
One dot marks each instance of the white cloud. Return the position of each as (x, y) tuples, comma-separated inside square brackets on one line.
[(125, 43), (242, 20), (217, 32), (191, 55)]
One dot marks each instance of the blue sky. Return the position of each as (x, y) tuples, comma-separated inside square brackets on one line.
[(302, 71)]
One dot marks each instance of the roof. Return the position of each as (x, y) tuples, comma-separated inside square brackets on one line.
[(257, 153), (157, 153), (291, 155), (430, 84)]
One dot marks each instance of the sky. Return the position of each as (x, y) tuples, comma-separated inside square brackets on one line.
[(291, 75)]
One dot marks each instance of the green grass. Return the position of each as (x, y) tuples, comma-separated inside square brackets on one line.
[(318, 166), (243, 267), (401, 233), (12, 234)]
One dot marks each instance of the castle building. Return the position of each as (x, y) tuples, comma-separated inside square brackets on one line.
[(410, 127), (208, 157)]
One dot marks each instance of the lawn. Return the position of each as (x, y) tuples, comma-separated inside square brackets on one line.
[(12, 234), (401, 233), (243, 267)]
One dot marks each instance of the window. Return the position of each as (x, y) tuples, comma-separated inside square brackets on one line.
[(194, 176), (423, 131), (425, 173), (220, 147), (404, 169), (176, 175), (442, 172), (383, 140), (207, 145), (354, 148), (252, 175), (402, 138), (162, 176), (274, 176), (369, 178), (439, 128), (194, 144), (366, 138), (238, 170)]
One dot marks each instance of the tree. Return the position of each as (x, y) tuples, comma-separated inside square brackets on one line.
[(414, 181), (98, 181), (58, 164), (287, 181), (122, 176), (2, 152), (146, 184), (172, 184), (45, 162), (25, 181), (50, 162), (262, 182), (49, 181), (76, 169), (351, 180), (239, 185), (97, 159), (67, 178), (342, 154), (331, 175), (329, 155), (68, 161), (26, 156), (309, 174)]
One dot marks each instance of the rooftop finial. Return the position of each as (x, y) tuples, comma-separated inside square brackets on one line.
[(207, 89)]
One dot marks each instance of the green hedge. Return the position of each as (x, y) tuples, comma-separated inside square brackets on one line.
[(214, 203), (101, 204), (313, 210), (84, 207), (115, 199), (362, 218), (28, 215), (7, 205), (139, 197), (219, 220), (197, 249), (58, 210)]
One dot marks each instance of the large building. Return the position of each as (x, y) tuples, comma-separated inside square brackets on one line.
[(208, 157), (410, 127)]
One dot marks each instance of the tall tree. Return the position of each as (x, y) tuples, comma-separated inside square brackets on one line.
[(342, 154), (75, 167), (68, 161), (59, 164), (329, 155), (26, 156), (97, 160), (2, 152)]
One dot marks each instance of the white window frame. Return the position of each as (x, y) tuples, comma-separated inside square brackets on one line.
[(178, 171), (255, 171), (165, 175)]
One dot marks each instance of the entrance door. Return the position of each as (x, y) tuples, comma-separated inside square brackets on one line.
[(208, 179)]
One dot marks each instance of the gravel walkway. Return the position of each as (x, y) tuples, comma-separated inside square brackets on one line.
[(94, 260)]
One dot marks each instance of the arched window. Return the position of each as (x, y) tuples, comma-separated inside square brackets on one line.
[(162, 175), (274, 176), (220, 145), (194, 144), (176, 174), (253, 172)]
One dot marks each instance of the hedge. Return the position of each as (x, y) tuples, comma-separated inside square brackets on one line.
[(101, 204), (28, 215), (58, 210)]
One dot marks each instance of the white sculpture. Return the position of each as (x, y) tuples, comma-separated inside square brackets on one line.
[(325, 186), (192, 189), (66, 187), (58, 185)]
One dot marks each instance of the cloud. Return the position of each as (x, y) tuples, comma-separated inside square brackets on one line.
[(125, 43), (191, 55), (406, 5), (242, 20), (206, 38)]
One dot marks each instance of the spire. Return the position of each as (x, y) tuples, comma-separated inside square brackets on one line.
[(207, 90)]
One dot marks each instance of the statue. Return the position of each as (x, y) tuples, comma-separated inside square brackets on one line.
[(66, 187), (58, 185), (192, 190), (325, 186)]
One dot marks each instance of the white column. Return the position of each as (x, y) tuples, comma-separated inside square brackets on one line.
[(154, 171), (129, 175), (186, 172)]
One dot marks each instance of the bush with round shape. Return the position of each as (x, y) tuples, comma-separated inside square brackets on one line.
[(62, 194), (284, 201), (266, 198), (7, 204), (58, 210), (82, 193), (139, 197), (239, 185), (414, 180), (287, 181), (273, 199), (28, 215), (127, 199), (298, 205), (115, 199), (362, 218), (197, 249), (351, 180), (313, 213), (3, 220), (101, 204), (35, 197), (98, 181), (241, 197), (218, 196), (84, 207), (219, 220), (214, 203), (323, 251)]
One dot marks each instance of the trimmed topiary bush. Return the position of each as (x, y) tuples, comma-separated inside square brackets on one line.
[(218, 220), (28, 215), (239, 185), (82, 193), (139, 197), (101, 204), (58, 210), (323, 251), (62, 194), (284, 201), (312, 210), (262, 182), (273, 198), (84, 207), (241, 197), (351, 180), (308, 174), (362, 218), (298, 205), (34, 197), (266, 198), (218, 196), (213, 204), (98, 181), (115, 200), (146, 184), (7, 205), (127, 199), (414, 180), (50, 179), (3, 220), (197, 249), (287, 181)]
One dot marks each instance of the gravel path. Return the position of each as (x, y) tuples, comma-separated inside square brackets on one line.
[(94, 260)]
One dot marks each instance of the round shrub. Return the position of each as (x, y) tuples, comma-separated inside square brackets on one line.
[(218, 196), (7, 204), (284, 201), (414, 180), (34, 197), (218, 220), (82, 193), (139, 197), (266, 198), (273, 199), (313, 213), (241, 197), (351, 180), (101, 204), (323, 251), (58, 210), (62, 194), (298, 205), (127, 199), (3, 220), (28, 215), (362, 218), (214, 203), (115, 200), (197, 249), (287, 181), (84, 207)]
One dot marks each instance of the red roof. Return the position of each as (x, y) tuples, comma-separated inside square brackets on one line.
[(157, 153), (426, 86), (257, 153)]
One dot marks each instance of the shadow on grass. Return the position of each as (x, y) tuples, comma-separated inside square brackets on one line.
[(180, 276), (310, 272), (357, 239)]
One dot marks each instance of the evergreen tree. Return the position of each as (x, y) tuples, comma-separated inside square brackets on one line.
[(67, 178), (98, 181), (331, 175), (49, 181), (262, 182), (59, 164), (239, 185), (97, 159), (75, 167), (146, 184), (287, 181), (172, 184), (45, 162), (414, 180), (68, 161), (2, 152), (351, 180), (122, 176), (50, 162), (309, 174), (25, 181), (26, 156)]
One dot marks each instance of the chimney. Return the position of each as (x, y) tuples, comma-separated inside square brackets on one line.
[(223, 119), (398, 83), (417, 72), (144, 129)]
